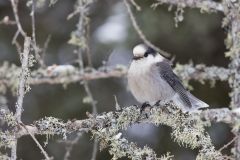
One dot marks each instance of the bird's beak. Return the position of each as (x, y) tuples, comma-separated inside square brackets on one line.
[(137, 57)]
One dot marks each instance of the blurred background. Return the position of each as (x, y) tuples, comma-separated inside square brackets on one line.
[(198, 39)]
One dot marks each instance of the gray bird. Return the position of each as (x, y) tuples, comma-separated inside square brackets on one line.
[(151, 79)]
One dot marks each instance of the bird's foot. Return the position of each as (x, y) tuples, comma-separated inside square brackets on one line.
[(143, 108)]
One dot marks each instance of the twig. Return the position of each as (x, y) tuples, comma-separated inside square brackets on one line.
[(136, 5), (7, 21), (14, 150), (140, 33), (15, 12), (82, 33), (38, 144), (95, 149), (34, 41), (70, 145), (44, 49), (14, 40), (81, 27), (228, 144)]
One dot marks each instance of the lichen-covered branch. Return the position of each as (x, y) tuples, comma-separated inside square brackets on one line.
[(188, 129), (201, 72), (23, 78), (232, 16), (65, 74)]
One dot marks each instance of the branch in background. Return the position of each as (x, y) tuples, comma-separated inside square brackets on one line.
[(201, 72), (82, 34), (7, 21), (65, 74), (220, 115), (34, 41), (204, 5), (70, 144)]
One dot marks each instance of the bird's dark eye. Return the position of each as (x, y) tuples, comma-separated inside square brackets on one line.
[(146, 54)]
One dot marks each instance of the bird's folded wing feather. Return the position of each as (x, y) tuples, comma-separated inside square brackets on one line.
[(171, 78)]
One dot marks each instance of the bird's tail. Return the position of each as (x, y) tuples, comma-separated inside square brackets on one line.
[(195, 103)]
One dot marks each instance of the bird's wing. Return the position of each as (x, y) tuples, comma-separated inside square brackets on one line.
[(172, 79)]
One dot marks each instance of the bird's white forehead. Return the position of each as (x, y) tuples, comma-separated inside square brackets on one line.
[(139, 50)]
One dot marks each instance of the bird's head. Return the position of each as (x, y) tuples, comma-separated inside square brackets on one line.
[(142, 51)]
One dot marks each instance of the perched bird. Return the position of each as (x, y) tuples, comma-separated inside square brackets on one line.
[(151, 79)]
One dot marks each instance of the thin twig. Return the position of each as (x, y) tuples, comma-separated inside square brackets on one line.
[(95, 149), (207, 5), (15, 12), (136, 5), (228, 144), (14, 40), (34, 41), (33, 22), (70, 145), (81, 27), (7, 21), (44, 49), (92, 101), (140, 33), (14, 150), (38, 144)]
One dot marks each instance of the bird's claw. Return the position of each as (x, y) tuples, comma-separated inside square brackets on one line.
[(143, 108), (144, 105)]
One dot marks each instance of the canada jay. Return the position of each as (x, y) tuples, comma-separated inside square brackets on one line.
[(151, 79)]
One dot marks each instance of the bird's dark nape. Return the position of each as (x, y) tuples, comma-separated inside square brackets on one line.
[(151, 51)]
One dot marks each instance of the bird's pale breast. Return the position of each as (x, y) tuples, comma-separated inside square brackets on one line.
[(146, 84)]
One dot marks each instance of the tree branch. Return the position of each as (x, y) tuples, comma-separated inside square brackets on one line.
[(23, 78), (106, 126), (65, 74)]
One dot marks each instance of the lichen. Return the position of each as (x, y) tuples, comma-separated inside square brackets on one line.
[(53, 126)]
